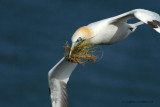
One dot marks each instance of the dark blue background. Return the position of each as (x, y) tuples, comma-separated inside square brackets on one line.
[(32, 38)]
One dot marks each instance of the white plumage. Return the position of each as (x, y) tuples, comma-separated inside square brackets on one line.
[(107, 31), (115, 29), (58, 77)]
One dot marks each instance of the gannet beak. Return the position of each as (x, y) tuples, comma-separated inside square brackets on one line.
[(72, 47)]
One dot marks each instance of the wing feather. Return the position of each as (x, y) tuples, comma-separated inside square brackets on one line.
[(146, 16), (58, 77)]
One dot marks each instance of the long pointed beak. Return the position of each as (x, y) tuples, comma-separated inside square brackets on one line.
[(72, 47)]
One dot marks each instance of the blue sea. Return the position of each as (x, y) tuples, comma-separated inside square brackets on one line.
[(33, 34)]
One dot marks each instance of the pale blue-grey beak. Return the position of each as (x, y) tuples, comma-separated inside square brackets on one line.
[(72, 47)]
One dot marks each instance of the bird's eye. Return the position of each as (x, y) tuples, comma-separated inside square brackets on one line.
[(79, 39)]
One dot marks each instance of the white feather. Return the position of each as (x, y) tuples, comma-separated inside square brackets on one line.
[(58, 77)]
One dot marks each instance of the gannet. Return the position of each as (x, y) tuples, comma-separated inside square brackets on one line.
[(103, 32), (115, 29)]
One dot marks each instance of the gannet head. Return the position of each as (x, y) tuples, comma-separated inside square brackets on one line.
[(82, 33)]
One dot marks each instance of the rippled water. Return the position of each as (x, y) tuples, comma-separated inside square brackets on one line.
[(32, 38)]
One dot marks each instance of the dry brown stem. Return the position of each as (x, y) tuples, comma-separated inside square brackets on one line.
[(81, 53)]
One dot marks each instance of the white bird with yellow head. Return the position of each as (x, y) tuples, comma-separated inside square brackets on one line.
[(115, 29), (104, 32)]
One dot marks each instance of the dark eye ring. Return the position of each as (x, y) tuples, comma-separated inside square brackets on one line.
[(79, 39)]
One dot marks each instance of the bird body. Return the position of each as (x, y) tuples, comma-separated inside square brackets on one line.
[(108, 33)]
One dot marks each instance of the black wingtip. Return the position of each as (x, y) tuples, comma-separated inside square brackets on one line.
[(154, 23)]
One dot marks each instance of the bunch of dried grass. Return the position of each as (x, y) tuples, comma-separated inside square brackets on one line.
[(81, 53)]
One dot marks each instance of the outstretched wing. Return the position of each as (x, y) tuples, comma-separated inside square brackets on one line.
[(146, 16), (58, 77)]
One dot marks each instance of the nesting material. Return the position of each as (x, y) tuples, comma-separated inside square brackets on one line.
[(81, 53)]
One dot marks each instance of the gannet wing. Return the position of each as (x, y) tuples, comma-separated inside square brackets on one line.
[(146, 16), (58, 77)]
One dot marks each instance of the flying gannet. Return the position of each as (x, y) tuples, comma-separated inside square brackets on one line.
[(103, 32), (112, 30)]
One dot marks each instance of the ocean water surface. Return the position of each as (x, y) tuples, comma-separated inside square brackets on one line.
[(32, 38)]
